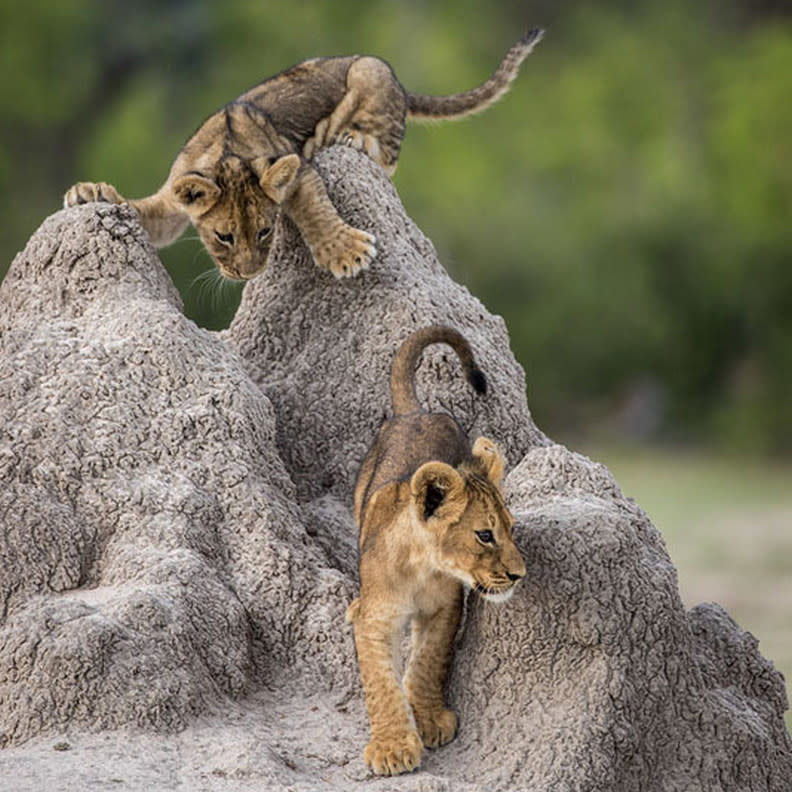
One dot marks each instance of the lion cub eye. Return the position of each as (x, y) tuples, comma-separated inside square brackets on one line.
[(225, 239), (263, 235), (485, 537)]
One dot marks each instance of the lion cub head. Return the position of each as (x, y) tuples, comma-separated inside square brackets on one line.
[(463, 509), (235, 210)]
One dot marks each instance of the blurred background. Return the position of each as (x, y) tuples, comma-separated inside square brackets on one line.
[(626, 208)]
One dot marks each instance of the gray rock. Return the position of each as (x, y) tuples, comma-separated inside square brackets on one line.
[(152, 549), (609, 684), (321, 349), (177, 550)]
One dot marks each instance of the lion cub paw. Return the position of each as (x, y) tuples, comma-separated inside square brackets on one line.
[(88, 192), (362, 141), (437, 727), (319, 140), (400, 754), (346, 253)]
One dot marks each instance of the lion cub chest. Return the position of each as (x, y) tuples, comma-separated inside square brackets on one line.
[(400, 570)]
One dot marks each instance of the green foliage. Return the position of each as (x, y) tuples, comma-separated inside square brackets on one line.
[(626, 208), (39, 41)]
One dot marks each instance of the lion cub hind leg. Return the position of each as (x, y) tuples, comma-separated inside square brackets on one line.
[(370, 117), (350, 136), (327, 129), (335, 245), (377, 123), (432, 645)]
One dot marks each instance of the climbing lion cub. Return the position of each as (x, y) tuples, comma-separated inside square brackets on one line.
[(431, 518), (250, 161)]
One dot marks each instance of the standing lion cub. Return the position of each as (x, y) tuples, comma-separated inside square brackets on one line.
[(431, 519), (250, 161)]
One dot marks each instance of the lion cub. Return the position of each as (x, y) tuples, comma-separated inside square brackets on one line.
[(431, 519), (250, 162)]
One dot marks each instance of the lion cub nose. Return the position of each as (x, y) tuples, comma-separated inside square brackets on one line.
[(514, 578)]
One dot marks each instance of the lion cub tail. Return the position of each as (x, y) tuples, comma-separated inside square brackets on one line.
[(404, 364), (435, 108)]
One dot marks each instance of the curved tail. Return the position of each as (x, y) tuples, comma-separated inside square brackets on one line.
[(409, 353), (428, 108)]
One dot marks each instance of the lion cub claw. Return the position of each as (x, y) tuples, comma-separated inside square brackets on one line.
[(436, 727), (347, 252), (398, 754), (349, 136), (88, 192)]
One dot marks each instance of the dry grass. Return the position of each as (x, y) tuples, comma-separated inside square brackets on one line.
[(728, 527)]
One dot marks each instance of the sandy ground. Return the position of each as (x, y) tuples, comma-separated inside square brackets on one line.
[(223, 751)]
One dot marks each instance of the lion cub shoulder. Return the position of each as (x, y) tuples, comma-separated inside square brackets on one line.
[(432, 520)]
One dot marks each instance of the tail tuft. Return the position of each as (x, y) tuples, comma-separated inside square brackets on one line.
[(478, 381), (532, 37), (405, 362)]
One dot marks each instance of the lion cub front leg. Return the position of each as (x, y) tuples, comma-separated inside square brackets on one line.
[(432, 644), (163, 221), (335, 245), (88, 192), (395, 745)]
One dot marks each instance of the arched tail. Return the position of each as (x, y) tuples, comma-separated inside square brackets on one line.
[(421, 107), (409, 353)]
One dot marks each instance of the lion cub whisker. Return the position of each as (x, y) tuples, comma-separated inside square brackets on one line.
[(432, 520)]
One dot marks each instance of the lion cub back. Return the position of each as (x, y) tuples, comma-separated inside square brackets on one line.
[(403, 444), (413, 436), (298, 97)]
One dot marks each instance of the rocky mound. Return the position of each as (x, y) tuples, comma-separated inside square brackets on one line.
[(177, 549)]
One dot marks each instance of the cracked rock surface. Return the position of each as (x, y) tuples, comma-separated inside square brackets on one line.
[(177, 549)]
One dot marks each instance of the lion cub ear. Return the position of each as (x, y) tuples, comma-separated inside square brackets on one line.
[(438, 491), (277, 178), (195, 193), (489, 456)]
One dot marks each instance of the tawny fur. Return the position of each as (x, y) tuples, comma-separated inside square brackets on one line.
[(250, 161), (432, 520)]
